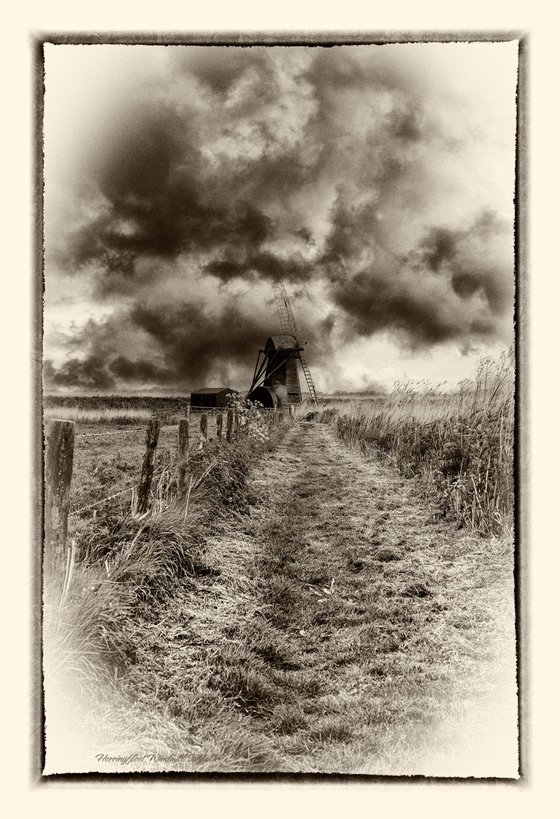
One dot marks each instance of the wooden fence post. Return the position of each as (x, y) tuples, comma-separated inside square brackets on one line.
[(183, 453), (229, 425), (236, 423), (59, 457), (152, 435), (219, 424), (203, 429)]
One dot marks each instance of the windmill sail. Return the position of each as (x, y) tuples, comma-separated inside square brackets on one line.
[(287, 321), (288, 324)]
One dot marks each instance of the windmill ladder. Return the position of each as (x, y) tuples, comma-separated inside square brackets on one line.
[(310, 384), (288, 324)]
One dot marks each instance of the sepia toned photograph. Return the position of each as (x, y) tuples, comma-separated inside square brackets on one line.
[(279, 350)]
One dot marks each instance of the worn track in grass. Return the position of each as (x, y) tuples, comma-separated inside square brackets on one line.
[(341, 628)]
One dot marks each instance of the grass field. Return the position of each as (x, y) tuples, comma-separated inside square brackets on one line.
[(328, 599)]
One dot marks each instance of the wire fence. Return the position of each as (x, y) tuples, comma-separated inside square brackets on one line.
[(89, 506), (195, 432), (159, 472)]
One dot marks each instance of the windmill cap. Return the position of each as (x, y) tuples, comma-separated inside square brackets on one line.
[(285, 341)]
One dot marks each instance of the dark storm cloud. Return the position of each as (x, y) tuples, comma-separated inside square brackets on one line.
[(406, 125), (230, 171), (89, 373), (221, 69), (158, 202), (476, 260), (138, 370), (438, 246), (456, 285), (385, 69), (373, 302), (263, 265), (181, 345), (194, 342), (160, 205), (163, 200)]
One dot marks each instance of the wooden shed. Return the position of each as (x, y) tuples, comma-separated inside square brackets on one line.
[(211, 397)]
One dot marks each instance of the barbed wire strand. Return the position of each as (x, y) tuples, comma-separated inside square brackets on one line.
[(113, 432), (167, 412), (158, 472), (103, 500)]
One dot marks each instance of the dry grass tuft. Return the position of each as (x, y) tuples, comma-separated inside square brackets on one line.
[(385, 555)]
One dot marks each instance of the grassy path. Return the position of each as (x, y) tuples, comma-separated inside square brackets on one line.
[(339, 628)]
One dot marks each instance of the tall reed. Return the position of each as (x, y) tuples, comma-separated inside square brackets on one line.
[(460, 444)]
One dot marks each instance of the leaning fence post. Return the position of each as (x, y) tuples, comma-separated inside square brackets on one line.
[(229, 425), (59, 458), (183, 453), (203, 429), (219, 424), (152, 435)]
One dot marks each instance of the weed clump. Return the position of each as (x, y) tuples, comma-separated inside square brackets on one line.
[(417, 590), (388, 554)]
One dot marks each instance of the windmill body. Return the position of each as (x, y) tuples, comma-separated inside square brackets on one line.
[(276, 377)]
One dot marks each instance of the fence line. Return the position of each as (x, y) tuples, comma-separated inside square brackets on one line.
[(158, 472), (166, 412), (60, 455), (174, 423)]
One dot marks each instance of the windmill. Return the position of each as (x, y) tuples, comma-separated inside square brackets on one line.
[(276, 380)]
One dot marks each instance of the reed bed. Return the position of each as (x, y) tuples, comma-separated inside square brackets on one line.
[(113, 409), (460, 444)]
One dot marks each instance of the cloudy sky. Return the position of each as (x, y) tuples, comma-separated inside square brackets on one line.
[(375, 182)]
